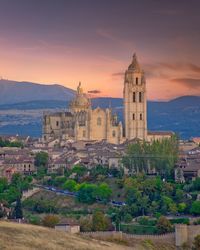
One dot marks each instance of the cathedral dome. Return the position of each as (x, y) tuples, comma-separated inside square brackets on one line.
[(81, 101)]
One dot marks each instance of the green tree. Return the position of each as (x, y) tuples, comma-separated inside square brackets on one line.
[(128, 218), (41, 159), (86, 193), (195, 209), (18, 213), (103, 192), (70, 185), (3, 184)]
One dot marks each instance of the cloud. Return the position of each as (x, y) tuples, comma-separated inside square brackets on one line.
[(95, 91), (120, 74), (188, 82)]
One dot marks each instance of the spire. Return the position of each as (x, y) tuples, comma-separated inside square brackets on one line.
[(79, 89), (134, 64)]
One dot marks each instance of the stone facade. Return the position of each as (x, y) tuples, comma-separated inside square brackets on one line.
[(135, 110), (81, 122)]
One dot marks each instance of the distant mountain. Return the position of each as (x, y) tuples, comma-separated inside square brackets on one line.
[(16, 92), (181, 115)]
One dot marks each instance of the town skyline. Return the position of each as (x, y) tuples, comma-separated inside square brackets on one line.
[(47, 42)]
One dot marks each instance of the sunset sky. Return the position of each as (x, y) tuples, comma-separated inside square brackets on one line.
[(67, 41)]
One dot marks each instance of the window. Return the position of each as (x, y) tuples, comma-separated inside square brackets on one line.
[(140, 96), (136, 80), (84, 133), (99, 121), (134, 97), (57, 123), (113, 133), (133, 117), (140, 116)]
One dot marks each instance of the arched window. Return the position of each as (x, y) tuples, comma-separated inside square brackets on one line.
[(134, 97), (133, 116), (99, 121), (140, 116), (113, 133), (57, 123), (136, 81), (140, 96)]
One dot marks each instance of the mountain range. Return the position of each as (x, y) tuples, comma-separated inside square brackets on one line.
[(15, 92), (22, 105)]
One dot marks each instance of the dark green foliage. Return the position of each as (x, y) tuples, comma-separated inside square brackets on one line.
[(180, 221), (41, 159), (70, 185), (195, 209), (159, 155), (138, 229), (7, 143), (86, 193), (18, 213), (40, 205)]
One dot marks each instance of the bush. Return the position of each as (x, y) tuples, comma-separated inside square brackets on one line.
[(50, 220), (100, 222), (127, 218), (164, 225), (35, 220), (196, 242), (138, 229), (180, 221), (70, 185), (195, 209)]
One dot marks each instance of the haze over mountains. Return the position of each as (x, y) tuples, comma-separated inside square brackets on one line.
[(22, 105)]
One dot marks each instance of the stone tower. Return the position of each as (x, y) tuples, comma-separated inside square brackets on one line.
[(135, 107)]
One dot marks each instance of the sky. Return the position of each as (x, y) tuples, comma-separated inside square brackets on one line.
[(67, 41)]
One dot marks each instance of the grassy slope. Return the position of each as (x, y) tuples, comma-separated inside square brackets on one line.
[(20, 237)]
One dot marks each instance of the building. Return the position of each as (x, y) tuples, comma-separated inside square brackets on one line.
[(72, 228), (81, 122)]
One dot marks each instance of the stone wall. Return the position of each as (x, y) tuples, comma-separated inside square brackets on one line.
[(170, 237), (186, 234)]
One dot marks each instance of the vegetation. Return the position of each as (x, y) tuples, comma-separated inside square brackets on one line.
[(24, 236), (98, 222), (10, 192), (7, 143), (50, 220), (159, 155), (196, 243), (164, 225)]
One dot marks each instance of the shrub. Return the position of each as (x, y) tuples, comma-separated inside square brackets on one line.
[(50, 220), (196, 242), (127, 218), (164, 225), (195, 209), (70, 185)]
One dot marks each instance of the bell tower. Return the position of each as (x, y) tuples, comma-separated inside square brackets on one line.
[(135, 104)]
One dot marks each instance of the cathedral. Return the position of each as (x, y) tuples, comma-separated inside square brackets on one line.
[(81, 122)]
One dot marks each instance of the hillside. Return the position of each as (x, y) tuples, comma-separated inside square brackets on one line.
[(15, 92), (26, 237)]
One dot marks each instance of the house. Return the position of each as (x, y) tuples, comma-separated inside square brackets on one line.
[(72, 228)]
